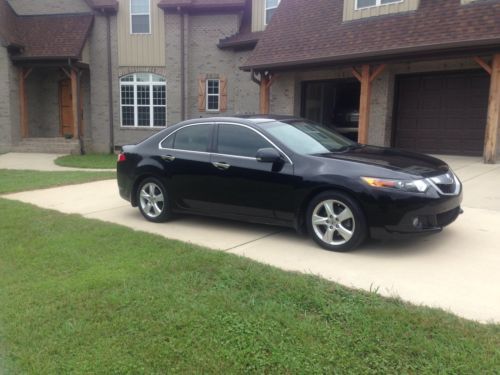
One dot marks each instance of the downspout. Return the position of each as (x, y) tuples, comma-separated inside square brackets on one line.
[(110, 87), (183, 67)]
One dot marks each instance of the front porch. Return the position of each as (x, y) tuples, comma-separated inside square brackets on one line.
[(53, 99)]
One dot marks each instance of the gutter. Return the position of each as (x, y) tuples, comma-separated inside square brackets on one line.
[(435, 50)]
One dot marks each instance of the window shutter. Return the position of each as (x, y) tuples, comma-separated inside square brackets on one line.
[(202, 97), (223, 94)]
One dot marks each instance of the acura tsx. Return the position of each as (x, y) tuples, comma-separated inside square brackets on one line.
[(288, 172)]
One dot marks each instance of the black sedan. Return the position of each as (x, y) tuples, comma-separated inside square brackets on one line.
[(288, 172)]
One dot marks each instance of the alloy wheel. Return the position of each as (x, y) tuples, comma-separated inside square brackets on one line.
[(152, 200), (333, 222)]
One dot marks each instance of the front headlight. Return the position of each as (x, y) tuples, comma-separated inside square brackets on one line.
[(413, 186)]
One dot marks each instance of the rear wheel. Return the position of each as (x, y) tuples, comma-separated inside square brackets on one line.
[(152, 199), (336, 222)]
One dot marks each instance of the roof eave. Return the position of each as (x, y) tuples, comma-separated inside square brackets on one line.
[(406, 52)]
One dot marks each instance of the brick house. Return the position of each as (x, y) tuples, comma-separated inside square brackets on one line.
[(422, 75), (94, 74)]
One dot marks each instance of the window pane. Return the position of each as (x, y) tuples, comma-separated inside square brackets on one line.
[(142, 95), (240, 141), (157, 78), (213, 86), (129, 78), (128, 116), (366, 3), (143, 118), (271, 3), (127, 95), (193, 138), (213, 103), (159, 97), (140, 24), (269, 15), (389, 1), (169, 142), (139, 6), (143, 77), (159, 116)]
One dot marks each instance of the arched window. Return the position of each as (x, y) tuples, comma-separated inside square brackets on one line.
[(143, 98)]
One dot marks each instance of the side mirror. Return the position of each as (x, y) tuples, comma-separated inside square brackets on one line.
[(268, 155)]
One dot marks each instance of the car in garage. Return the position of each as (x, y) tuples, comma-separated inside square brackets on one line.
[(289, 172)]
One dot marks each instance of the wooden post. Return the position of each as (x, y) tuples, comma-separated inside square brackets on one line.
[(366, 77), (493, 122), (74, 101), (23, 105), (266, 81)]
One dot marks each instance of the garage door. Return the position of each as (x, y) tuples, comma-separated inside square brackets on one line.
[(442, 113)]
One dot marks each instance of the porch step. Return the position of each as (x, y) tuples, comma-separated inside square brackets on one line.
[(48, 145)]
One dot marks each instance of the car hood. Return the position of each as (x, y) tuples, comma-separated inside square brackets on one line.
[(396, 160)]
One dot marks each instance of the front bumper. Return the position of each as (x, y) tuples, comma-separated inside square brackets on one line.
[(416, 217)]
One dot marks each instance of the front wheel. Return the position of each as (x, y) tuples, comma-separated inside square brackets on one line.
[(153, 200), (336, 222)]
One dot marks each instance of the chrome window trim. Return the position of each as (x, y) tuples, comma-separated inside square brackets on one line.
[(458, 184), (215, 153), (176, 130)]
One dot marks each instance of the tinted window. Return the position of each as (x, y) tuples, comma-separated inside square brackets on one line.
[(239, 141), (169, 142), (193, 138)]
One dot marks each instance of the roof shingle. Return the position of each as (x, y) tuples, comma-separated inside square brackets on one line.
[(201, 4), (299, 35)]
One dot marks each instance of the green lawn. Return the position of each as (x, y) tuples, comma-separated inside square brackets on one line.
[(97, 161), (83, 296), (17, 180)]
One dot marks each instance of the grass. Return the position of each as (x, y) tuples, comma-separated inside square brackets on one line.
[(97, 161), (82, 296), (17, 180)]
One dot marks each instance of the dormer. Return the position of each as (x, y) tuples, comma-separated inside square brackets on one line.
[(262, 12), (357, 9)]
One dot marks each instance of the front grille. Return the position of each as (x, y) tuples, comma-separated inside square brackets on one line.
[(446, 184), (448, 217)]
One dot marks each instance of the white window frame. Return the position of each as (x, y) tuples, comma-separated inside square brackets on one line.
[(136, 106), (266, 8), (140, 14), (207, 95), (378, 3)]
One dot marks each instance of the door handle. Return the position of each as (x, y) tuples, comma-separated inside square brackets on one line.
[(222, 166), (169, 158)]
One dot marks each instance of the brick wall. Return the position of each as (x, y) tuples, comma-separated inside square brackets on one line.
[(204, 57)]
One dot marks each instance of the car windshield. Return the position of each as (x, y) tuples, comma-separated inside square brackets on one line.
[(307, 138)]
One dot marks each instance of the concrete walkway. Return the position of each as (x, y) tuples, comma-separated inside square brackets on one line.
[(457, 270), (37, 162)]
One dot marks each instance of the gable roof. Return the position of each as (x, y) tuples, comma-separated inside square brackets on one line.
[(7, 24), (316, 34), (52, 36)]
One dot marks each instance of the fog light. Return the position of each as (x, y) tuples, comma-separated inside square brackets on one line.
[(417, 223)]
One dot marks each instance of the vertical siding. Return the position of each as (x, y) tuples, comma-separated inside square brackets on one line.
[(141, 50), (258, 9), (350, 13)]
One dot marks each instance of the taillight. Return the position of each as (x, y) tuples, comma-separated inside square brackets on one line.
[(121, 157)]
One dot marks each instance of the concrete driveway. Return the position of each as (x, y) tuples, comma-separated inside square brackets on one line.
[(457, 270)]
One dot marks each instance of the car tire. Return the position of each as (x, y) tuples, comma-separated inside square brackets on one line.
[(153, 200), (336, 222)]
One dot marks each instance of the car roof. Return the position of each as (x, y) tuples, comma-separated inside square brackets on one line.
[(245, 119)]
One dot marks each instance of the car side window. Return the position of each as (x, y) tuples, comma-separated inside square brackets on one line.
[(193, 138), (168, 142), (239, 141)]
